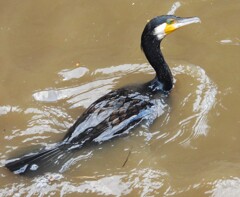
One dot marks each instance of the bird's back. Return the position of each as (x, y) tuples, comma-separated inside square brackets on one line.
[(114, 114)]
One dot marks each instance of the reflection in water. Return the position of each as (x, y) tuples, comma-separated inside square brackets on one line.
[(42, 121), (203, 98), (82, 95), (116, 185), (235, 42), (74, 73), (228, 187), (86, 94), (7, 109)]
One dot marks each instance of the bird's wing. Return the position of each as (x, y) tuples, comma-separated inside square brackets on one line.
[(110, 116)]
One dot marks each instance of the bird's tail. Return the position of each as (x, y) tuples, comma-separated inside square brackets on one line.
[(43, 161)]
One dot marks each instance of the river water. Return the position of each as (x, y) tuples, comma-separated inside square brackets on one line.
[(57, 57)]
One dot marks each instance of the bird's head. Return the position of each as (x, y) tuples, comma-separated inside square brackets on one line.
[(161, 26)]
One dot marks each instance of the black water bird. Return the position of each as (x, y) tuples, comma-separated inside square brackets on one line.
[(120, 110)]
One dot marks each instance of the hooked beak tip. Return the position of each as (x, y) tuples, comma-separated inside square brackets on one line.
[(197, 20)]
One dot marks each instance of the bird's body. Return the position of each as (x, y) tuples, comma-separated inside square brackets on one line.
[(120, 110), (116, 113)]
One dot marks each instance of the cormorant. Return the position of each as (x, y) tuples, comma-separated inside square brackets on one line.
[(120, 110)]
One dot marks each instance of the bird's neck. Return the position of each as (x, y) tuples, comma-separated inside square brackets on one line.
[(154, 55)]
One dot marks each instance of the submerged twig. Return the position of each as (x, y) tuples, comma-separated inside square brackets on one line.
[(126, 160)]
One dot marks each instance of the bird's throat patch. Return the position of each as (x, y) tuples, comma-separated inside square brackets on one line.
[(169, 28)]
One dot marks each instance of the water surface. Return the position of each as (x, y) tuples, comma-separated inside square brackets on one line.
[(57, 57)]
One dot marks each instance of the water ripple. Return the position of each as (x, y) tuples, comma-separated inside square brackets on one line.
[(116, 185), (202, 97)]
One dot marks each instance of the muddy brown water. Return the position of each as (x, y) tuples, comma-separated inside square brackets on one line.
[(57, 57)]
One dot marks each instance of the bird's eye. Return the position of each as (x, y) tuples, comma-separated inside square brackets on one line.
[(170, 21)]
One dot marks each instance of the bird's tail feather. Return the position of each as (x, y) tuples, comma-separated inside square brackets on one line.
[(43, 161)]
